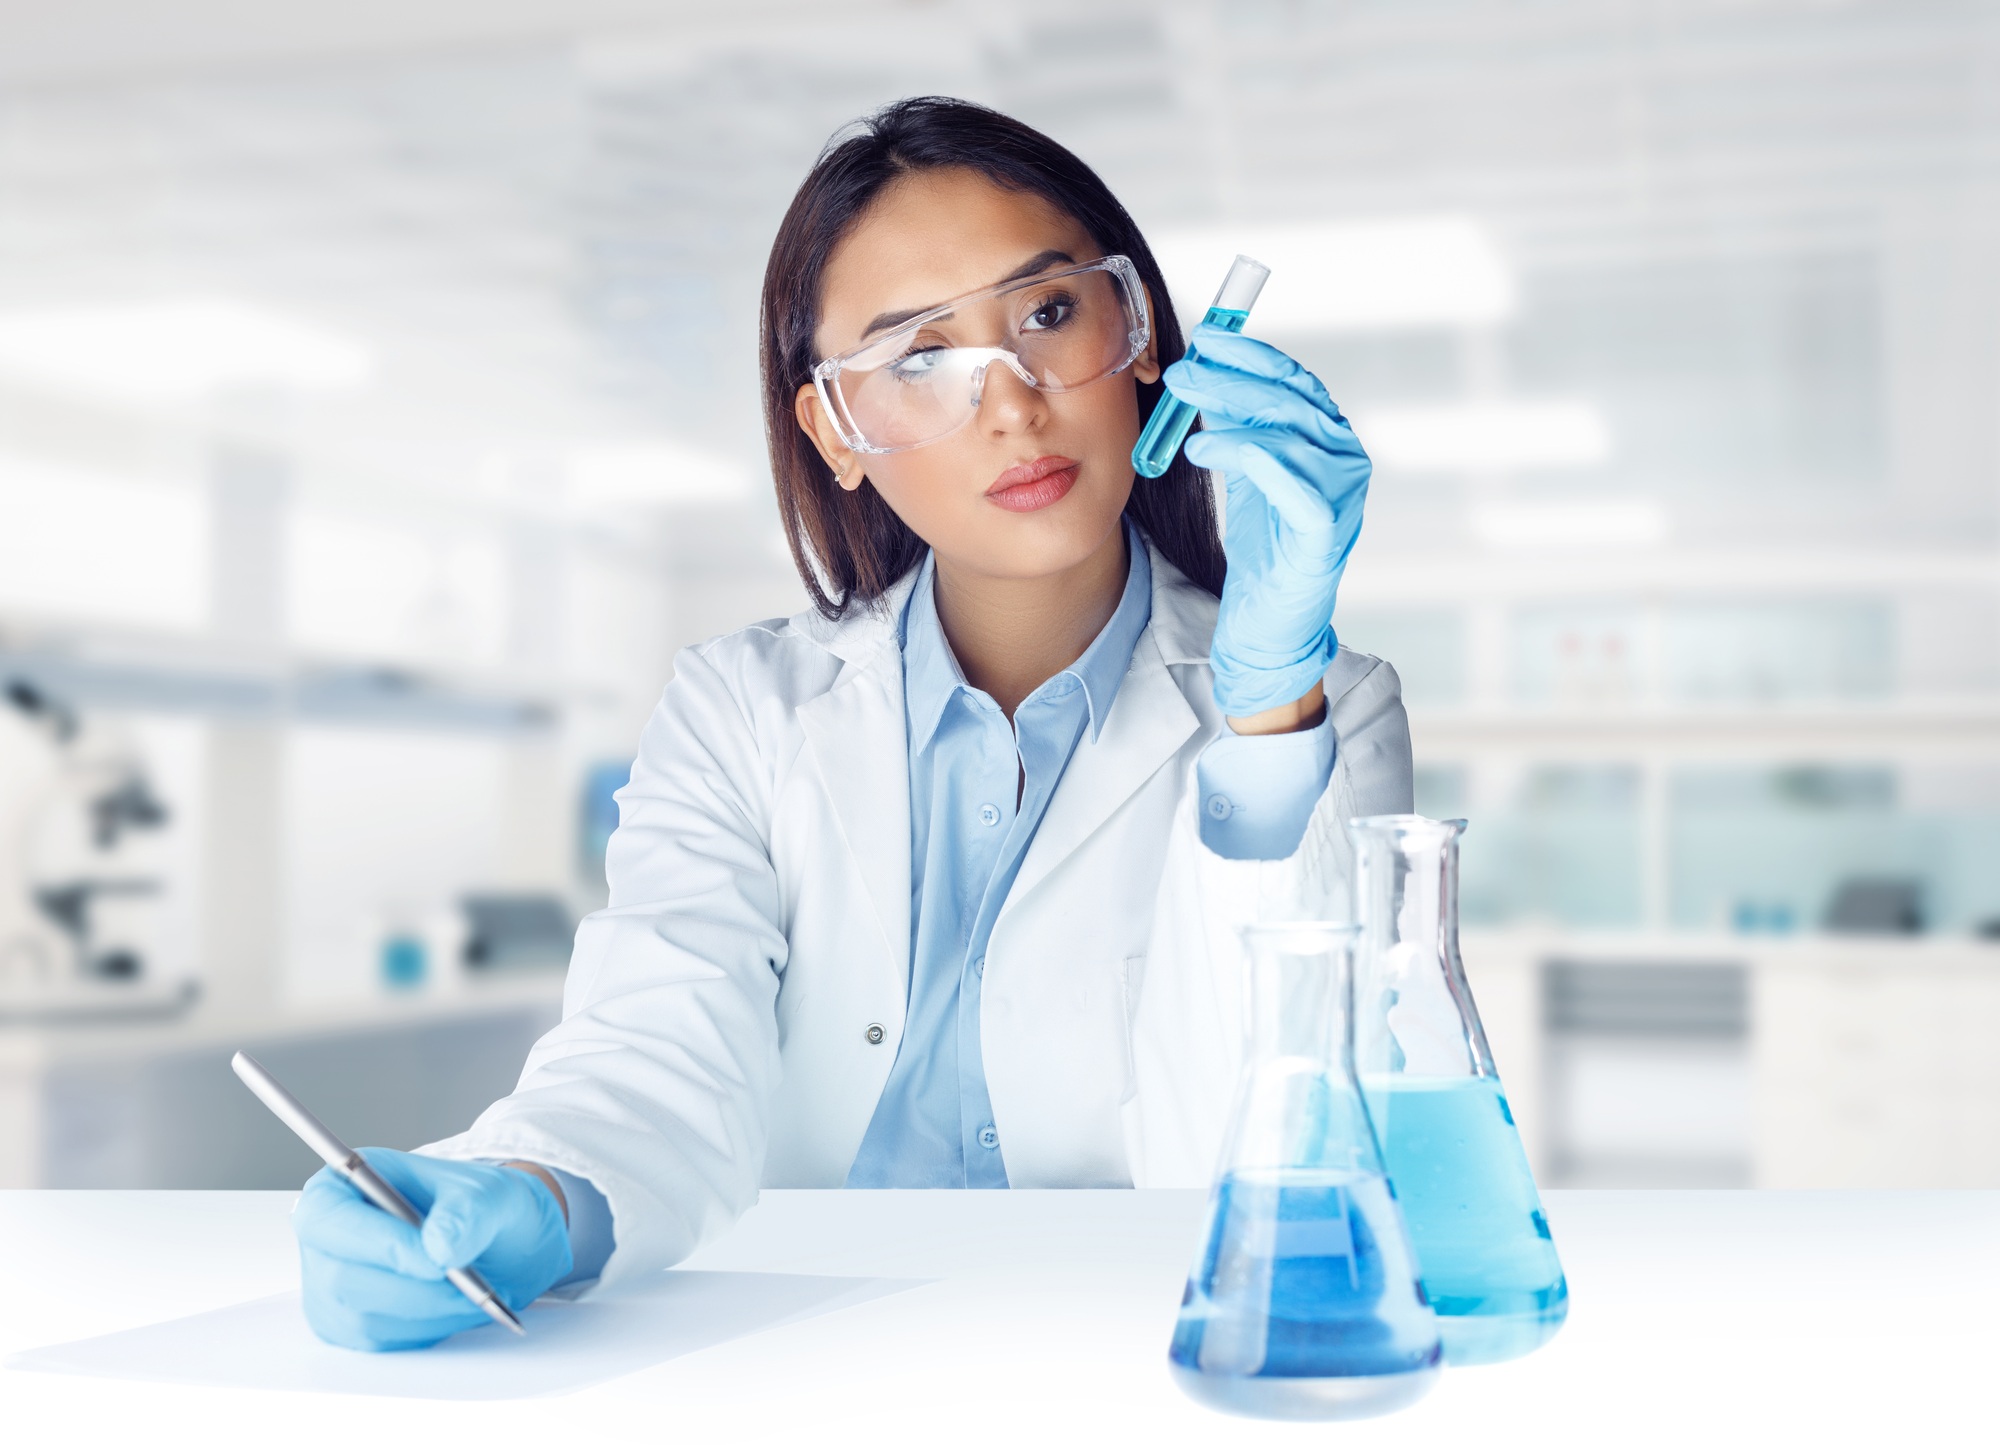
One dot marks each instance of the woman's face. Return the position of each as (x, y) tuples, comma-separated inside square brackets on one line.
[(932, 237)]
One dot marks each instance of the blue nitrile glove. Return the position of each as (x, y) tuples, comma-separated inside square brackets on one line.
[(1297, 479), (373, 1283)]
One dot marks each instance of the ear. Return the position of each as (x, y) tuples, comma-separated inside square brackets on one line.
[(1146, 367), (815, 423)]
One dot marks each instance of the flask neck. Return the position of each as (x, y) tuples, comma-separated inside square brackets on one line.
[(1414, 1008), (1406, 888), (1302, 1002), (1299, 1106)]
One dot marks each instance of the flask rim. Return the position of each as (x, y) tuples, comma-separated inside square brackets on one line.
[(1318, 930), (1407, 825)]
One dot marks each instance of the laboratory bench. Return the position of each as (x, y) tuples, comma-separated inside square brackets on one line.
[(954, 1316), (151, 1103)]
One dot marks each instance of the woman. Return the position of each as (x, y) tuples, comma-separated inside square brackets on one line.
[(937, 885)]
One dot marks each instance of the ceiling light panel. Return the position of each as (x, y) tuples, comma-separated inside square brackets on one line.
[(1485, 436), (1383, 274), (1567, 525), (177, 351)]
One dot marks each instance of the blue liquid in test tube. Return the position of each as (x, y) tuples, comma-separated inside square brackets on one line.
[(1173, 418)]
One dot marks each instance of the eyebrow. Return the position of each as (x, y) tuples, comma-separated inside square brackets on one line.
[(1041, 261)]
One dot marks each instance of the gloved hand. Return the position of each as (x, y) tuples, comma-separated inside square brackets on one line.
[(374, 1283), (1296, 482)]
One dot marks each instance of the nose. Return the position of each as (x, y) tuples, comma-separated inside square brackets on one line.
[(1008, 399)]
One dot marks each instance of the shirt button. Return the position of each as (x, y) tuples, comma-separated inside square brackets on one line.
[(979, 965), (1219, 806), (989, 1138), (988, 814), (876, 1034)]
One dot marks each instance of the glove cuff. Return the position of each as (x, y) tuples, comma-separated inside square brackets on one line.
[(1242, 691)]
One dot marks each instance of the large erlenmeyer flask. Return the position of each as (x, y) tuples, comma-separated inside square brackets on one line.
[(1482, 1241), (1304, 1301)]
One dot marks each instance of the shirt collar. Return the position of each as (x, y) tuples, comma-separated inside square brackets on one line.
[(931, 675)]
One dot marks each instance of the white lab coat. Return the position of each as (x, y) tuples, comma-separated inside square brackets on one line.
[(720, 1013)]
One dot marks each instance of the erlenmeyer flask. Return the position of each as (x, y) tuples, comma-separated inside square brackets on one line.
[(1303, 1303), (1482, 1241)]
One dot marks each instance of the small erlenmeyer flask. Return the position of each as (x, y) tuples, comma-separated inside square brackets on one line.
[(1482, 1241), (1304, 1302)]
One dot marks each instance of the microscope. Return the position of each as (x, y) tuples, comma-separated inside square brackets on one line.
[(79, 857)]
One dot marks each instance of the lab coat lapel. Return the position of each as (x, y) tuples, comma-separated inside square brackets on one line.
[(857, 736), (1148, 723)]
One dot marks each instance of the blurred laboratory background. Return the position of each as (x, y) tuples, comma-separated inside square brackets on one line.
[(378, 416)]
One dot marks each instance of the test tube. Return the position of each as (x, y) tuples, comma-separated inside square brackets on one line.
[(1172, 418)]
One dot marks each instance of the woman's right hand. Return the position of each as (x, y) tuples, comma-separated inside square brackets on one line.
[(373, 1282)]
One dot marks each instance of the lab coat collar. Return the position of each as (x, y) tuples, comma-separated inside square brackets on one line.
[(1183, 621), (855, 731), (867, 628)]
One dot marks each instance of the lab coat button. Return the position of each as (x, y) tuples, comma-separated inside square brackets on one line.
[(988, 814), (876, 1034), (1219, 806), (989, 1138)]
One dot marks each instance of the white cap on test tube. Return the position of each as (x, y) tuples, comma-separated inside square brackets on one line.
[(1240, 287)]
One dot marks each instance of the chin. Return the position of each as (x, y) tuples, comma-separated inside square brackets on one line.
[(1041, 544)]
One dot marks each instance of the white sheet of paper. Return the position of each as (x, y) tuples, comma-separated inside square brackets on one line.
[(266, 1344)]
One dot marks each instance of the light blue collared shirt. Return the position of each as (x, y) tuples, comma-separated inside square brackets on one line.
[(933, 1126)]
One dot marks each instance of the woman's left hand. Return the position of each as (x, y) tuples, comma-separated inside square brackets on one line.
[(1297, 479)]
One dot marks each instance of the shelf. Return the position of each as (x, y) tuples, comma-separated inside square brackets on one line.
[(209, 1024), (1969, 727), (1458, 576), (180, 673), (1486, 945)]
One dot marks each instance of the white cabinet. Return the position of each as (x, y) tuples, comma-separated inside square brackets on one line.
[(1870, 1063), (1878, 1067)]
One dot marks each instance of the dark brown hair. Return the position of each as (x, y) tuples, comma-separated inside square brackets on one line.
[(850, 547)]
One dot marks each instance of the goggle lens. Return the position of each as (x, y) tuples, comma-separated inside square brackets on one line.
[(923, 381)]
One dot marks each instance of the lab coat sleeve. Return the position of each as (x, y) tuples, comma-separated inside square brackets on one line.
[(1188, 1017), (656, 1084)]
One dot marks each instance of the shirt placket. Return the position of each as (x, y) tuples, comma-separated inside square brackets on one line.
[(1036, 748), (993, 815)]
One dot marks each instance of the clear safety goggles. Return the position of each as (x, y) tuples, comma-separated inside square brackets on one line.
[(921, 382)]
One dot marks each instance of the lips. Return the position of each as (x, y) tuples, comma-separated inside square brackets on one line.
[(1034, 485)]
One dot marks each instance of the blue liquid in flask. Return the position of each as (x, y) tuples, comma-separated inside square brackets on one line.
[(1475, 1219), (1172, 418), (1304, 1302)]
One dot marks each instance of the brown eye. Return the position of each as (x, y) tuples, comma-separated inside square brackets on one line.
[(1053, 313)]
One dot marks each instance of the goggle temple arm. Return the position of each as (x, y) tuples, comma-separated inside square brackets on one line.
[(826, 381)]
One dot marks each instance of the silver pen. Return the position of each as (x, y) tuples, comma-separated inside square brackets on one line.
[(379, 1191)]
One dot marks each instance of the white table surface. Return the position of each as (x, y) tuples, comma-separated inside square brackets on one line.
[(1696, 1316)]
